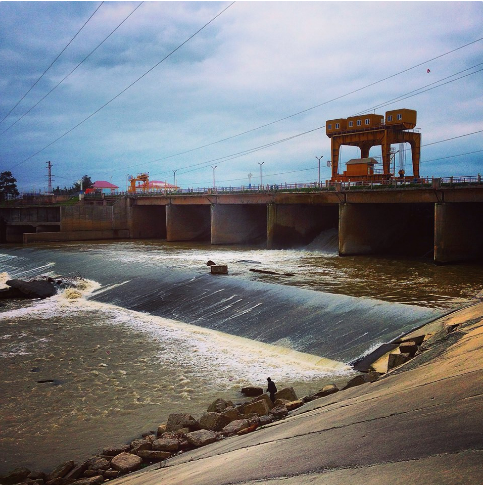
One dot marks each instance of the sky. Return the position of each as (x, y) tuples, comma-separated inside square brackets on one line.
[(178, 88)]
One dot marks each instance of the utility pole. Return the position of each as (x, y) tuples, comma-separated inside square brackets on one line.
[(261, 175), (174, 177), (250, 175), (319, 159), (214, 183), (49, 177)]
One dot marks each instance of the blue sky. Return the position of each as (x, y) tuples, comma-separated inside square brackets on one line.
[(255, 64)]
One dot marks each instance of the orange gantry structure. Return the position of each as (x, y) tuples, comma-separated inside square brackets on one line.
[(366, 131)]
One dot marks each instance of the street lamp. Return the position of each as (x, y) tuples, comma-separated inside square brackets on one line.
[(319, 159), (213, 167), (261, 177), (250, 175), (174, 178)]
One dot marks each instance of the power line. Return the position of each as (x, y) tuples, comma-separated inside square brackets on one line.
[(81, 62), (318, 105), (52, 63), (129, 86)]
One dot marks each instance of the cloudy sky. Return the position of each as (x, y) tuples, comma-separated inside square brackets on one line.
[(255, 85)]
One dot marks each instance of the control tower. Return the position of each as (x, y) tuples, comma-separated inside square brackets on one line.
[(366, 131)]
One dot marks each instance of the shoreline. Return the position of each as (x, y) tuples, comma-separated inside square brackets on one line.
[(436, 326)]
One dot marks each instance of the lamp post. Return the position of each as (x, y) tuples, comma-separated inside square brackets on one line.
[(250, 175), (214, 183), (174, 178), (319, 159), (261, 176)]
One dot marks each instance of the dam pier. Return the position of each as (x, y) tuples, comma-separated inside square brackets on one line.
[(445, 219)]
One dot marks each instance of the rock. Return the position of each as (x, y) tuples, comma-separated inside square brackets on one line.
[(259, 407), (98, 463), (250, 428), (95, 480), (327, 390), (161, 430), (166, 444), (152, 455), (115, 450), (264, 397), (210, 263), (214, 421), (231, 414), (219, 406), (279, 411), (201, 437), (33, 289), (15, 476), (235, 426), (288, 394), (126, 462), (251, 391), (57, 481), (396, 360), (294, 404), (265, 420), (219, 269), (92, 473), (362, 379), (110, 474), (179, 421), (76, 472), (138, 445), (408, 347), (61, 471), (36, 476)]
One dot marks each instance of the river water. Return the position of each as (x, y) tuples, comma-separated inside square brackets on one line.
[(148, 331)]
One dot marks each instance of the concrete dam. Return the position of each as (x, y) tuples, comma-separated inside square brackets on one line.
[(444, 221)]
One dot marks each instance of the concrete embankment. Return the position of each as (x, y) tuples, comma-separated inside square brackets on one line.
[(421, 422)]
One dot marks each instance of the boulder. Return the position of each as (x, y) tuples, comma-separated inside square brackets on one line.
[(115, 450), (201, 437), (231, 413), (37, 475), (33, 289), (61, 471), (279, 411), (288, 394), (98, 463), (180, 421), (15, 476), (258, 407), (265, 420), (214, 421), (410, 347), (126, 462), (77, 471), (219, 406), (362, 379), (95, 480), (161, 430), (327, 390), (92, 473), (166, 444), (110, 474), (264, 397), (251, 391), (141, 444), (152, 455), (250, 428), (396, 360), (294, 404), (235, 426), (57, 481)]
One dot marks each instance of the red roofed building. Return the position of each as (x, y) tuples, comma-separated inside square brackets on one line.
[(103, 187)]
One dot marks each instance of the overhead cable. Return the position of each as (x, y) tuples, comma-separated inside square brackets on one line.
[(129, 86), (52, 63), (75, 68)]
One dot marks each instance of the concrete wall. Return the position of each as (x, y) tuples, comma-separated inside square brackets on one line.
[(86, 218), (188, 222), (148, 222), (458, 232), (292, 225), (238, 224), (74, 236), (399, 229)]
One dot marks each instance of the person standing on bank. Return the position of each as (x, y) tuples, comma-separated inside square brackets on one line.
[(271, 389)]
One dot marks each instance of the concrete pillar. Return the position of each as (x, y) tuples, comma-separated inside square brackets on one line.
[(457, 232), (403, 229), (292, 225), (238, 224), (188, 222)]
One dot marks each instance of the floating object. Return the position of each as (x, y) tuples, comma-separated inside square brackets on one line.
[(219, 269)]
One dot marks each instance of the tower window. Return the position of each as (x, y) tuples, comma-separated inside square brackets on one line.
[(359, 122), (399, 117), (389, 117), (351, 124), (368, 121), (337, 126), (329, 126)]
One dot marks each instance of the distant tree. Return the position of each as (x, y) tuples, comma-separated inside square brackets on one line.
[(8, 186), (86, 184)]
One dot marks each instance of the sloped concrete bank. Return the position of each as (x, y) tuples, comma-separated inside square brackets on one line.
[(416, 413)]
